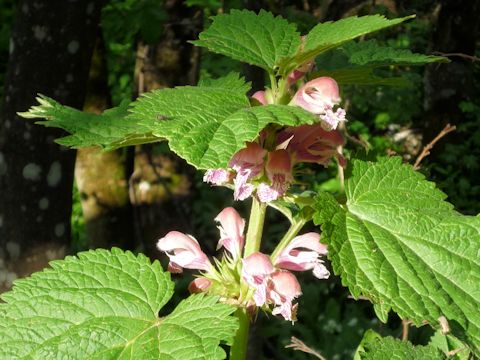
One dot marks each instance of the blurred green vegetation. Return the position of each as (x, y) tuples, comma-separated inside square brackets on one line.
[(329, 320)]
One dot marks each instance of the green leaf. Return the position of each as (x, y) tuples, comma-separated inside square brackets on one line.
[(360, 76), (103, 305), (232, 81), (328, 35), (449, 344), (371, 54), (375, 347), (111, 129), (261, 40), (355, 62), (207, 125), (397, 242)]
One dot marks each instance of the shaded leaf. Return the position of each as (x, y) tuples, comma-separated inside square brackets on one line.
[(375, 347), (328, 35)]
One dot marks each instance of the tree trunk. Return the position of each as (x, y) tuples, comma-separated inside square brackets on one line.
[(101, 177), (160, 186), (51, 46)]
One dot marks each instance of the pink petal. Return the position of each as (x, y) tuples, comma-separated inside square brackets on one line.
[(183, 251), (256, 271), (260, 97), (310, 241), (257, 264), (216, 176), (320, 271), (279, 162), (332, 119), (286, 284), (250, 158), (260, 295), (303, 254), (279, 172), (285, 289), (317, 95), (231, 229), (242, 189), (312, 143), (267, 193)]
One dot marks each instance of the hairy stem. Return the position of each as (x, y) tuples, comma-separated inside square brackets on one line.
[(296, 226), (273, 84), (238, 351), (255, 227)]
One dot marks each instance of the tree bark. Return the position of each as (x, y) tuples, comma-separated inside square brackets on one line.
[(101, 177), (160, 185), (51, 46)]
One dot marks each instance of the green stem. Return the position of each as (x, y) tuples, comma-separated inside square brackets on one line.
[(255, 227), (296, 226), (273, 85), (238, 351)]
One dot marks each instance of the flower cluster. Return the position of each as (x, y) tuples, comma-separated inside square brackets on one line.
[(267, 173), (255, 281)]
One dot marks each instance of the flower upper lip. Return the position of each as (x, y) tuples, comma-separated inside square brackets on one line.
[(231, 229), (184, 252)]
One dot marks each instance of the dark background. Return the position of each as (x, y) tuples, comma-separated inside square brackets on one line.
[(91, 55)]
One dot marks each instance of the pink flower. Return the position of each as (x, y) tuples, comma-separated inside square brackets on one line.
[(303, 254), (216, 176), (317, 95), (312, 143), (256, 271), (248, 163), (332, 119), (284, 289), (199, 285), (231, 231), (242, 189), (279, 172), (250, 158), (184, 252), (260, 97)]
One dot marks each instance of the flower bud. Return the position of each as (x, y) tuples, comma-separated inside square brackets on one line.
[(199, 285)]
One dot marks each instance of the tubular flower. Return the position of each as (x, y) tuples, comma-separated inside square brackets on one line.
[(231, 231), (248, 163), (319, 96), (279, 172), (312, 143), (283, 290), (184, 252), (256, 271), (303, 254)]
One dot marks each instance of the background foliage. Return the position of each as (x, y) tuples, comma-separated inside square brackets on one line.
[(385, 119)]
